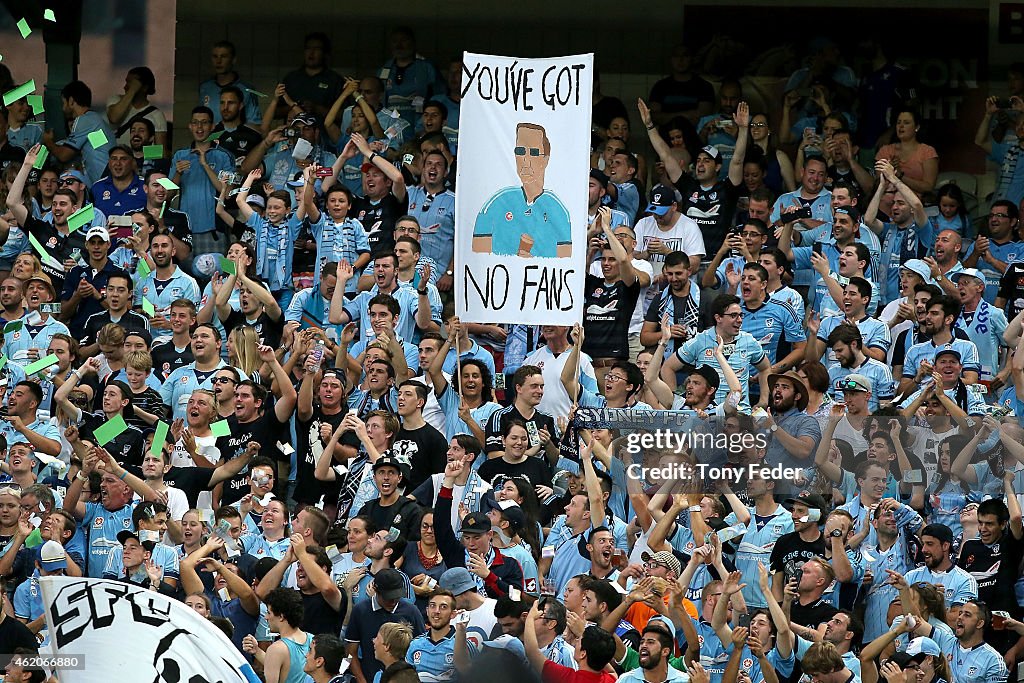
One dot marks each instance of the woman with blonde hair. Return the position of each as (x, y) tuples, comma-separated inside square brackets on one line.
[(243, 352)]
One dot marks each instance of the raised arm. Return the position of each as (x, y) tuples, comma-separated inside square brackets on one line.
[(570, 371), (870, 217), (742, 118), (244, 210), (672, 168), (627, 273)]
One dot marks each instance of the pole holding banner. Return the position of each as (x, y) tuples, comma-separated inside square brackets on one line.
[(521, 208)]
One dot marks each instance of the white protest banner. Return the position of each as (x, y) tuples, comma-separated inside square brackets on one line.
[(521, 205), (123, 632)]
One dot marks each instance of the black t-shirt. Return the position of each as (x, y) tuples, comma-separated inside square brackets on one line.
[(500, 419), (608, 309), (268, 329), (791, 551), (404, 515), (264, 430), (130, 321), (191, 480), (56, 245), (167, 359), (535, 469), (378, 221), (813, 614), (307, 488), (14, 634), (238, 143), (426, 451), (150, 400), (1011, 288), (179, 225), (319, 617), (712, 209), (126, 448), (996, 568)]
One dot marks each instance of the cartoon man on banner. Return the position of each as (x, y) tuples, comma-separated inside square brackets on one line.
[(526, 221)]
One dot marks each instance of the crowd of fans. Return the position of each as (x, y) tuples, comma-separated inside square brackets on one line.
[(238, 380)]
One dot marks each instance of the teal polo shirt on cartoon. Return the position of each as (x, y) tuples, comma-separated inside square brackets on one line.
[(507, 217), (526, 221)]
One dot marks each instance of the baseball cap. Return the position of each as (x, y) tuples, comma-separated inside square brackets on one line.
[(256, 200), (458, 580), (938, 531), (144, 335), (662, 198), (389, 584), (507, 642), (475, 523), (901, 659), (663, 621), (967, 272), (74, 174), (921, 646), (710, 375), (854, 382), (97, 231), (948, 352), (305, 119), (916, 265), (811, 500), (128, 533), (297, 181), (515, 517), (389, 461), (52, 556), (712, 152), (665, 559), (850, 211), (600, 176)]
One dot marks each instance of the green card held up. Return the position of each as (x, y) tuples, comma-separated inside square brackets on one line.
[(13, 326), (81, 218), (3, 360), (16, 94), (43, 254), (153, 152), (36, 102), (97, 139), (24, 29), (41, 364), (220, 428), (257, 93), (48, 15), (215, 136), (109, 430), (227, 266), (143, 269), (158, 439), (148, 308), (41, 157), (167, 184)]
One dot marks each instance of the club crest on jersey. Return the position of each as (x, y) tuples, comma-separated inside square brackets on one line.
[(52, 242), (412, 205), (508, 216), (748, 663), (97, 523)]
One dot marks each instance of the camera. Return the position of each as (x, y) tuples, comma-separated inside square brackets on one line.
[(291, 132)]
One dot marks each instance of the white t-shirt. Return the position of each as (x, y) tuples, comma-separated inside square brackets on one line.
[(432, 413), (156, 117), (684, 236), (556, 400), (206, 446), (641, 266), (481, 623)]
